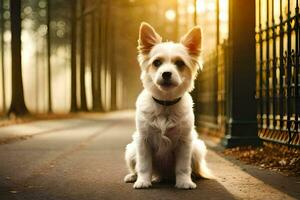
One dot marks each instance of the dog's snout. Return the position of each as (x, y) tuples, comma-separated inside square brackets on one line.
[(167, 75)]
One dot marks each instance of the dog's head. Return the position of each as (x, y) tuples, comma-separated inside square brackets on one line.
[(168, 69)]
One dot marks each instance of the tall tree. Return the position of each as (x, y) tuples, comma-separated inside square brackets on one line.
[(17, 106), (73, 56), (106, 52), (98, 74), (2, 54), (95, 64), (49, 57), (83, 106), (113, 69)]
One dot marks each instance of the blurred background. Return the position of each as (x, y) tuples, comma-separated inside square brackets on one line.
[(103, 37), (80, 55)]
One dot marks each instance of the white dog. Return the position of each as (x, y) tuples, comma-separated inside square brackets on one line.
[(165, 145)]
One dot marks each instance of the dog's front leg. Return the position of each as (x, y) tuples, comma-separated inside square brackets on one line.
[(144, 164), (183, 166)]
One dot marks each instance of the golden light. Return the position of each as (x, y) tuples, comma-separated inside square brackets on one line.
[(223, 4), (223, 16), (211, 6), (7, 36), (200, 6), (28, 47), (191, 9), (170, 15)]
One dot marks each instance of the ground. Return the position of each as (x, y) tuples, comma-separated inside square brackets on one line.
[(82, 158), (281, 158)]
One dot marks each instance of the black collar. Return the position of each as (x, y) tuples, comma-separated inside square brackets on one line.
[(167, 103)]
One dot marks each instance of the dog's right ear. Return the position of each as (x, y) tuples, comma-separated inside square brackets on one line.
[(147, 38)]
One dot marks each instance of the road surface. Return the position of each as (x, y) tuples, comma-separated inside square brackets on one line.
[(82, 158)]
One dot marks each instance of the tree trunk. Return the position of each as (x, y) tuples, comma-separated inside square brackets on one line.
[(94, 95), (2, 55), (113, 100), (107, 54), (73, 57), (100, 57), (17, 106), (95, 65), (82, 59), (49, 58)]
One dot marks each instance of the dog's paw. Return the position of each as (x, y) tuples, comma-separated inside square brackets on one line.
[(156, 179), (185, 185), (140, 184), (130, 178)]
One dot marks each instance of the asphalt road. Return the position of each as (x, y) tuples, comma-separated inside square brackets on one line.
[(83, 159)]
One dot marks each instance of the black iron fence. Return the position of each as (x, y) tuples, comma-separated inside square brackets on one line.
[(278, 75), (277, 78), (210, 92)]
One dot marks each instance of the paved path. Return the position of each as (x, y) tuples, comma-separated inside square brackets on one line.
[(82, 159)]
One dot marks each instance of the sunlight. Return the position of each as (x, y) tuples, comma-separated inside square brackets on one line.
[(28, 47), (200, 6), (223, 4), (211, 6), (7, 36), (170, 15), (191, 9)]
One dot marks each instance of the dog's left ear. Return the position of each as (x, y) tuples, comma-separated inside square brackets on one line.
[(192, 41)]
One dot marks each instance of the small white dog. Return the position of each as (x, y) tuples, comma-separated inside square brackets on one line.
[(165, 145)]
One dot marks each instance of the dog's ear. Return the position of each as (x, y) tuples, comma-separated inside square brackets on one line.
[(192, 41), (147, 38)]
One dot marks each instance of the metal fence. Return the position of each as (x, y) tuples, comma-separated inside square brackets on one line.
[(210, 92), (278, 75)]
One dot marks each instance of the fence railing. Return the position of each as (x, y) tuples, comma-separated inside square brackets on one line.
[(277, 69), (210, 91)]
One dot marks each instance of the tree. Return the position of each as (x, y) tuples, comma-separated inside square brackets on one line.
[(95, 65), (106, 52), (113, 71), (2, 55), (17, 106), (83, 106), (99, 53), (73, 57), (49, 59)]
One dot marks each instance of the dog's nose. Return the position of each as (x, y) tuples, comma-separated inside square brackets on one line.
[(167, 75)]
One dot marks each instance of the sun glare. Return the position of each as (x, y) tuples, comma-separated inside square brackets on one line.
[(170, 15)]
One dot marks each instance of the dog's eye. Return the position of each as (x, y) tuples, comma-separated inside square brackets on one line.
[(179, 63), (157, 63)]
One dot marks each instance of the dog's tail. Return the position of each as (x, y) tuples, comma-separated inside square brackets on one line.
[(199, 166)]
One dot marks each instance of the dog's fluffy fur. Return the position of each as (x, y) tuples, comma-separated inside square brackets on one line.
[(166, 145)]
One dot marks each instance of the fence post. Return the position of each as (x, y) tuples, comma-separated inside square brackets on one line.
[(241, 123)]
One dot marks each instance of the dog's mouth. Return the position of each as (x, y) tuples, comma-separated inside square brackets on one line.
[(167, 84)]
